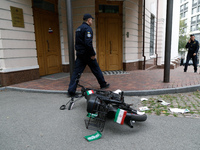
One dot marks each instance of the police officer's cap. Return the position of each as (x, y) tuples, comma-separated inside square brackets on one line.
[(86, 16), (191, 35)]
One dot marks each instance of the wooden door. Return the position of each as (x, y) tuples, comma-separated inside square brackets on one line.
[(52, 44), (113, 44), (109, 38), (47, 41), (110, 43)]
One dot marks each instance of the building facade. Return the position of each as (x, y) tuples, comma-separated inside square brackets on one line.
[(128, 35), (190, 14)]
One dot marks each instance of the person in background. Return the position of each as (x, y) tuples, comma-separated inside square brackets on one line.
[(193, 48)]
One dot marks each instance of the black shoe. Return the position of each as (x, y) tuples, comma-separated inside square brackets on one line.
[(71, 94), (195, 71), (105, 86), (185, 71)]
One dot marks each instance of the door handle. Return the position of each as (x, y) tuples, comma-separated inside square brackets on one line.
[(110, 47), (48, 45)]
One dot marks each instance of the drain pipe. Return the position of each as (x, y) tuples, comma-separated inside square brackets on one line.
[(168, 38), (70, 36), (156, 48), (144, 35)]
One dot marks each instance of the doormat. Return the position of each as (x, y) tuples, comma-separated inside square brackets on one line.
[(56, 76), (116, 72)]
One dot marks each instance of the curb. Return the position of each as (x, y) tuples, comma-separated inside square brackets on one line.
[(163, 91), (2, 88), (126, 93), (35, 90)]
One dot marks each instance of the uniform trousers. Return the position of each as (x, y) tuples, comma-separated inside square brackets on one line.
[(80, 65), (194, 59)]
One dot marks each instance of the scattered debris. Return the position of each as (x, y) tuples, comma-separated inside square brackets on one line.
[(163, 102), (93, 137), (144, 99), (117, 91), (143, 108), (177, 110)]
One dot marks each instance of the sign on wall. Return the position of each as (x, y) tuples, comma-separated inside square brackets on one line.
[(17, 17)]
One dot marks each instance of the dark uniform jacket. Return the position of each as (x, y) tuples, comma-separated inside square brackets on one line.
[(193, 47), (83, 43)]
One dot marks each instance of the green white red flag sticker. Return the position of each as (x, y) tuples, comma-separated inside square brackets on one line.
[(90, 92), (93, 137), (120, 116)]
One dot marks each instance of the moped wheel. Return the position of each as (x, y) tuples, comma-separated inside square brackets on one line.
[(136, 117)]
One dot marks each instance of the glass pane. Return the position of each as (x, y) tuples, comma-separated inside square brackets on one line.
[(152, 35), (108, 8), (44, 5)]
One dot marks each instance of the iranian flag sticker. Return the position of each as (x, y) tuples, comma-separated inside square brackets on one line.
[(120, 116), (90, 92)]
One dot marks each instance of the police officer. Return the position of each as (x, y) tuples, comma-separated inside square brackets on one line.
[(85, 55), (193, 48)]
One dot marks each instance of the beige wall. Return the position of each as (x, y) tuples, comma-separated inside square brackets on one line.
[(131, 45), (79, 8), (63, 31), (133, 23), (161, 31), (17, 45)]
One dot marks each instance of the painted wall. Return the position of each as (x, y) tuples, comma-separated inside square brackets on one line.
[(132, 49), (162, 31), (17, 45), (175, 30), (63, 32), (133, 24)]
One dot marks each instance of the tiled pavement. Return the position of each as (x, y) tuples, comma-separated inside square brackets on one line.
[(139, 80), (134, 81)]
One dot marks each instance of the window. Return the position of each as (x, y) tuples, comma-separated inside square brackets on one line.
[(152, 35), (194, 10), (186, 6), (198, 26), (108, 8), (184, 10), (198, 18), (193, 20), (193, 28), (181, 1), (182, 15), (185, 13), (44, 5), (194, 2), (185, 30), (182, 7), (185, 22)]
